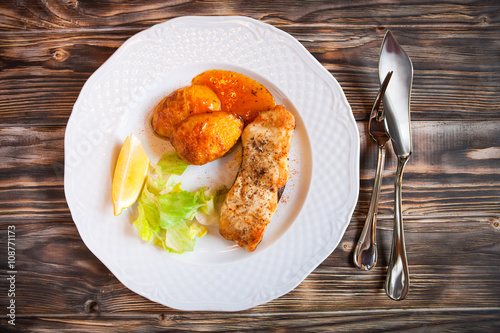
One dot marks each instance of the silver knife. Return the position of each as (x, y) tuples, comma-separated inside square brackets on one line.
[(397, 121)]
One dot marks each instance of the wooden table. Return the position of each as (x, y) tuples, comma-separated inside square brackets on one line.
[(451, 187)]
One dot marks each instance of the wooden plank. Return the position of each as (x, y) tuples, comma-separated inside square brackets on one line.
[(451, 193), (455, 169), (356, 321), (42, 74), (81, 14), (451, 203), (57, 265), (453, 267)]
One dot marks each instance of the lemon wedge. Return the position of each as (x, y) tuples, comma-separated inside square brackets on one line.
[(130, 172)]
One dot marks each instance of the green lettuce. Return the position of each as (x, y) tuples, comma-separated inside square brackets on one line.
[(170, 163), (170, 217), (207, 214)]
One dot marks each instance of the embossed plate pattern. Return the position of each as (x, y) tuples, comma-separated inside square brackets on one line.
[(324, 163)]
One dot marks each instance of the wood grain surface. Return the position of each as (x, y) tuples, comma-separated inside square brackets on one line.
[(451, 186)]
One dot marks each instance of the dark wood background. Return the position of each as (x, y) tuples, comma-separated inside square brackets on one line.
[(451, 186)]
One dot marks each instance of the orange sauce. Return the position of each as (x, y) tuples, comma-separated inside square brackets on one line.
[(237, 93)]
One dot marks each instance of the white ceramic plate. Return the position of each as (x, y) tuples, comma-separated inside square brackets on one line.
[(316, 206)]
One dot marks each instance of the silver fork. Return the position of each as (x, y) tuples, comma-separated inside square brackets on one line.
[(365, 255)]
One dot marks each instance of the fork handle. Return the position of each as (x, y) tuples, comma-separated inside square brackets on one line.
[(365, 255), (397, 282)]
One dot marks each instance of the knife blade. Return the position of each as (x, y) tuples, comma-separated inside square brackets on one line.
[(397, 97)]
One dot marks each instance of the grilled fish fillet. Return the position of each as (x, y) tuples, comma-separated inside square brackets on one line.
[(252, 201)]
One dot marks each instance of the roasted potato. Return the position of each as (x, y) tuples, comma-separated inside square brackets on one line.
[(205, 137), (180, 104), (237, 93)]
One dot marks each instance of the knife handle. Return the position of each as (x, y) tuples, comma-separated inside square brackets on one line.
[(397, 282)]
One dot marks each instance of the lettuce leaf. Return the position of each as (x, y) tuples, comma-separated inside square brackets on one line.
[(209, 211), (167, 212), (176, 207), (170, 163), (142, 225)]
